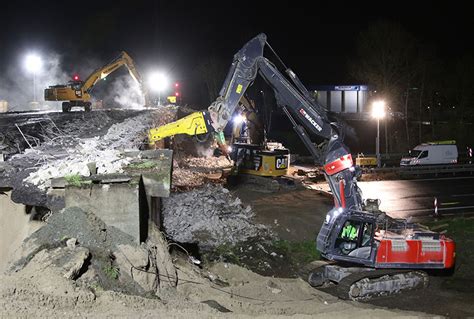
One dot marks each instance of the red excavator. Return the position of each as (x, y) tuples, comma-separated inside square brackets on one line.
[(371, 253)]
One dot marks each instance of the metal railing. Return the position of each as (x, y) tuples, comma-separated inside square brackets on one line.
[(434, 170)]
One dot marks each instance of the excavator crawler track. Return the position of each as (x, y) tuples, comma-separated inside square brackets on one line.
[(370, 284)]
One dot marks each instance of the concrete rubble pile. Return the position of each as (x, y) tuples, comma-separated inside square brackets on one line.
[(209, 216), (195, 164), (166, 114), (105, 151), (86, 127)]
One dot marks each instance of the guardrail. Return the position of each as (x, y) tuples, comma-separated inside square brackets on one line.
[(393, 159), (452, 169)]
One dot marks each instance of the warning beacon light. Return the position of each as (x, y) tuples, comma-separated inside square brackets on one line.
[(75, 77)]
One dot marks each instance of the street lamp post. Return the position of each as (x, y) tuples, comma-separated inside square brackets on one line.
[(33, 64), (378, 112)]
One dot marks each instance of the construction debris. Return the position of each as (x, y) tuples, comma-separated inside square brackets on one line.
[(105, 151), (206, 163), (191, 172), (209, 216), (77, 264)]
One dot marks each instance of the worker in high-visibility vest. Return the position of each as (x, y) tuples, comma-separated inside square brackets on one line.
[(349, 231)]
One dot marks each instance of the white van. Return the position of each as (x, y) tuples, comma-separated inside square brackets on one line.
[(443, 152)]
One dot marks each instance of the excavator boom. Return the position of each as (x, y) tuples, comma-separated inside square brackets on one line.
[(122, 60)]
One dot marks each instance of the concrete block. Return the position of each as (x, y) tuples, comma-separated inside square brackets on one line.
[(116, 204)]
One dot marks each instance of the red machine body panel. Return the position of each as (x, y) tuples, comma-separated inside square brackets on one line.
[(416, 253)]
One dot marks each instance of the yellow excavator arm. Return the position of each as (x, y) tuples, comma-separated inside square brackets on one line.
[(193, 124), (103, 72)]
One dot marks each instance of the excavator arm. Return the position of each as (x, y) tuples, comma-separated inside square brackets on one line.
[(193, 124), (308, 118), (242, 72), (122, 60)]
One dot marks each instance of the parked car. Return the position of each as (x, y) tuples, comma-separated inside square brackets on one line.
[(432, 153)]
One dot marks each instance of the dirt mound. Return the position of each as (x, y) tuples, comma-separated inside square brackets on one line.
[(77, 265), (114, 260), (16, 225)]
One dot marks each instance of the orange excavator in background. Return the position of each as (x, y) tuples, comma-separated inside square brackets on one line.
[(77, 93)]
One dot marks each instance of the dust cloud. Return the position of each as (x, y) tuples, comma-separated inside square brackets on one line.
[(17, 85), (126, 93)]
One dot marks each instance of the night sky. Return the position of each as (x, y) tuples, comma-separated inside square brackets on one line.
[(316, 39)]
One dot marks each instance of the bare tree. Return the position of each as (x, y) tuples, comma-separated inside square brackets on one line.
[(212, 70), (387, 58)]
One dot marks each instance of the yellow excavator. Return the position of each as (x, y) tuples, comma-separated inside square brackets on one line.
[(77, 93), (251, 153)]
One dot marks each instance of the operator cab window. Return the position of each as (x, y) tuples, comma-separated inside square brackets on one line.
[(355, 239), (76, 85)]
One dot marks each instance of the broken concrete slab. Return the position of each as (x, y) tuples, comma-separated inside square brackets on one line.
[(59, 182), (108, 178), (67, 261)]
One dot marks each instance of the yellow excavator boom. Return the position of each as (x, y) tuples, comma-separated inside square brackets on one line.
[(103, 72), (192, 124)]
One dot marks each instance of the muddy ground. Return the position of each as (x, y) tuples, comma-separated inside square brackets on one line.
[(260, 270), (42, 284), (296, 215)]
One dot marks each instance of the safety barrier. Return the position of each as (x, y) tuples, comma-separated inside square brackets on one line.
[(435, 170)]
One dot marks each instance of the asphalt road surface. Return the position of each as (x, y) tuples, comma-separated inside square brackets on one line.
[(416, 198)]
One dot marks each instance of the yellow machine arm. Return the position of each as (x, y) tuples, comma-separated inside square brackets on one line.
[(193, 124), (103, 72)]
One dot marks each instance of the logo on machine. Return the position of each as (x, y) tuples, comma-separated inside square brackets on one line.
[(311, 120), (281, 162)]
